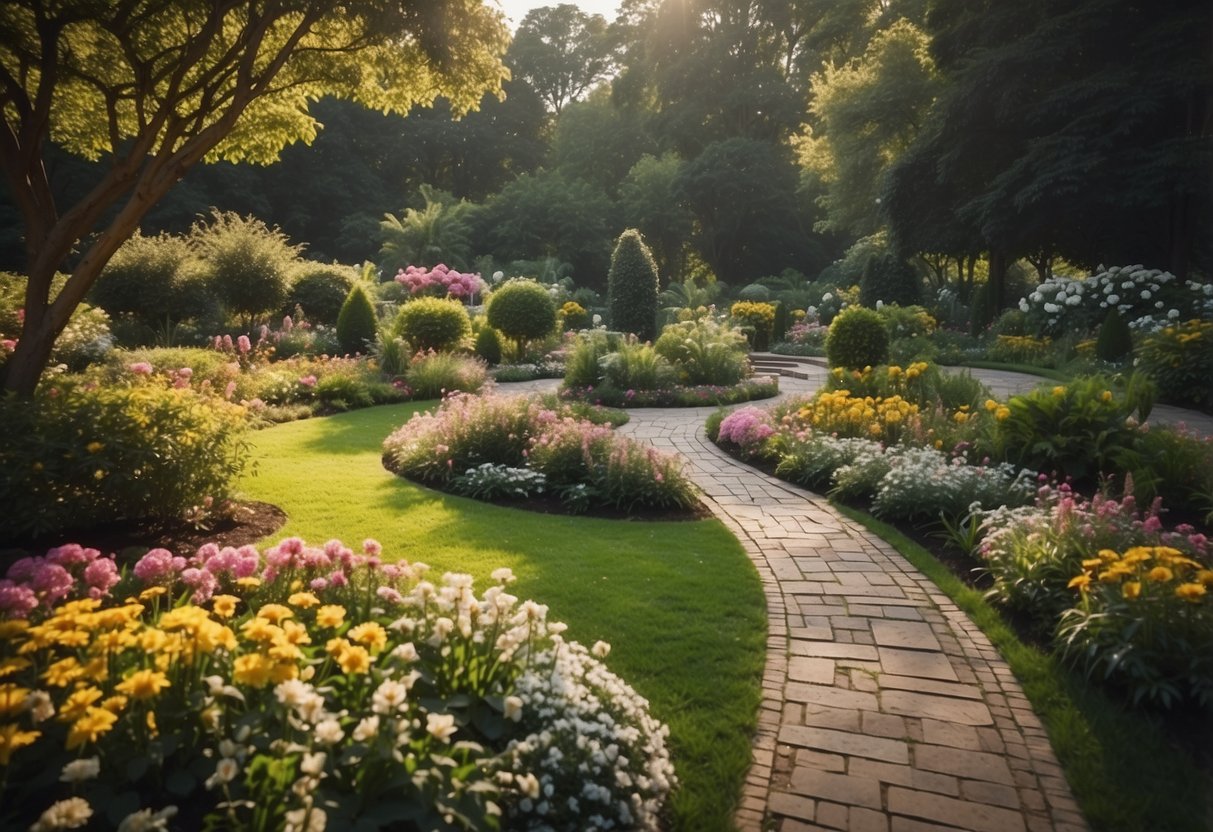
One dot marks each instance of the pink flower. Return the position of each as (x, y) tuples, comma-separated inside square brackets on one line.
[(140, 368), (16, 601), (101, 575), (308, 381), (202, 582), (72, 554), (243, 344), (8, 344), (372, 547), (159, 566)]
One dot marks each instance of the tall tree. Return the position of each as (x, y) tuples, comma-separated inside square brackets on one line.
[(158, 85), (562, 52)]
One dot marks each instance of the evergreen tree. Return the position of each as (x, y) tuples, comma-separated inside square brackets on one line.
[(632, 286)]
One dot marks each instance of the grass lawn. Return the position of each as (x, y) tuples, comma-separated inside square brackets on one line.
[(679, 602)]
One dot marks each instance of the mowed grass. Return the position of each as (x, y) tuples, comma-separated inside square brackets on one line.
[(679, 602)]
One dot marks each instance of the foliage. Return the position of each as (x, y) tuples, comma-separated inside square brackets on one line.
[(758, 320), (320, 291), (562, 52), (85, 340), (857, 338), (247, 265), (356, 323), (636, 366), (151, 280), (1179, 360), (1021, 349), (432, 375), (440, 231), (906, 321), (79, 455), (704, 351), (632, 286), (523, 311), (701, 395), (583, 366), (433, 324), (648, 204), (755, 292), (488, 345), (573, 316), (493, 483), (1144, 621), (1115, 339), (888, 278), (244, 698)]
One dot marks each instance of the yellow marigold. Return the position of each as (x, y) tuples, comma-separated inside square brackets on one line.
[(251, 582), (183, 618), (303, 600), (12, 699), (1059, 391), (1191, 592), (215, 636), (1079, 582), (275, 613), (1002, 413), (152, 640), (1112, 576), (12, 738), (283, 651), (1092, 563), (224, 605), (1138, 554), (991, 405), (1131, 589), (295, 633), (13, 627), (960, 417), (95, 669), (14, 665), (115, 704), (78, 703), (354, 660), (62, 673), (252, 669), (1205, 576), (1160, 574), (894, 371), (1109, 556), (143, 684), (88, 728), (260, 630), (152, 592), (284, 672), (370, 634), (331, 616)]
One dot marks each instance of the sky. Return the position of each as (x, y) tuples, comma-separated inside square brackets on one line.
[(515, 10)]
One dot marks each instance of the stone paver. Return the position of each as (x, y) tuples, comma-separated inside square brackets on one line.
[(884, 707)]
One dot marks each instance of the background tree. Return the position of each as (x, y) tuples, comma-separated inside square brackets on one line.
[(649, 203), (157, 86), (562, 52), (440, 232)]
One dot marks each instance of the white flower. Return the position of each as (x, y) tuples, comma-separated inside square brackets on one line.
[(528, 784), (513, 708), (79, 770), (440, 726), (1145, 294), (389, 697), (71, 813), (147, 821), (600, 649), (312, 763), (503, 575), (1052, 308), (367, 729), (306, 819), (328, 732), (1172, 313), (225, 771)]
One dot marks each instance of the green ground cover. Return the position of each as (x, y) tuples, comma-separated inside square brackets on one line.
[(679, 602)]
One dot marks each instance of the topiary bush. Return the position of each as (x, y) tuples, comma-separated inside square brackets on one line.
[(320, 291), (246, 264), (488, 345), (356, 324), (522, 310), (1115, 339), (890, 279), (632, 287), (433, 324), (857, 338), (755, 293)]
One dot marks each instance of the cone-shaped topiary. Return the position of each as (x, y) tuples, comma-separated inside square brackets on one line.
[(857, 339), (522, 310), (356, 322), (1115, 337), (632, 287)]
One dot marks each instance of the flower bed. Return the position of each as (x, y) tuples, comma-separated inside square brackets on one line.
[(704, 395), (305, 687)]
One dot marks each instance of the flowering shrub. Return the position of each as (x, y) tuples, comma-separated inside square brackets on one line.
[(431, 375), (494, 482), (306, 688), (1144, 620), (809, 331), (574, 316), (838, 412), (747, 428), (756, 319), (924, 483), (441, 282), (1021, 349), (1179, 359)]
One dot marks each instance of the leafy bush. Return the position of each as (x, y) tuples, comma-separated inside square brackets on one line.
[(357, 327), (1179, 359), (1021, 349), (889, 279), (906, 321), (636, 366), (497, 482), (154, 281), (573, 316), (632, 287), (434, 374), (246, 264), (488, 345), (583, 366), (704, 351), (1115, 338), (521, 310), (433, 324), (857, 338), (79, 455), (754, 293), (242, 686), (758, 319), (320, 291)]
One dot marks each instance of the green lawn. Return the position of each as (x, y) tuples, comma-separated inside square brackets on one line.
[(679, 602)]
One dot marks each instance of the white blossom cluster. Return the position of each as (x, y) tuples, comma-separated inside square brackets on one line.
[(924, 482), (1147, 298), (595, 760)]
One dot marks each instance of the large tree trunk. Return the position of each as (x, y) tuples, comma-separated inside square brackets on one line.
[(999, 262)]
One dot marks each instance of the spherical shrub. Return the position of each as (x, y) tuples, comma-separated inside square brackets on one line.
[(632, 287), (755, 293), (857, 338), (488, 345), (356, 326), (320, 291), (433, 324), (522, 310), (1115, 339), (246, 264)]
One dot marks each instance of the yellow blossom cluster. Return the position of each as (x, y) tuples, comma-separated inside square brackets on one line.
[(1145, 572), (838, 412), (999, 411)]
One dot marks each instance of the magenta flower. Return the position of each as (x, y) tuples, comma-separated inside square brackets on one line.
[(140, 368), (159, 566), (16, 600), (243, 344), (101, 576)]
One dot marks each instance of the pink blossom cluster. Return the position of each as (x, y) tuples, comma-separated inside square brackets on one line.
[(746, 427), (440, 281), (44, 581)]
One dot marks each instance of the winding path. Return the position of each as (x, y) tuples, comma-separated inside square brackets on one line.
[(885, 709)]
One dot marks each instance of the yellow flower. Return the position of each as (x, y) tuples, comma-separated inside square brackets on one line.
[(371, 634), (94, 723), (960, 417), (78, 703), (1003, 412), (1138, 554), (94, 447), (1059, 391), (151, 723), (295, 633), (62, 673), (12, 738), (1160, 574), (225, 605), (991, 405), (275, 613), (1092, 563), (356, 660), (215, 636), (252, 669), (303, 600), (1205, 576), (1131, 589), (248, 583), (1109, 556), (13, 627), (1105, 396), (1079, 582), (1191, 592), (13, 665), (331, 616), (12, 699), (152, 592), (260, 630), (143, 684), (115, 704)]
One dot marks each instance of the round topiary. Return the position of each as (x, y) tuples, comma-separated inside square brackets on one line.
[(888, 278), (1115, 338), (488, 345), (356, 326), (320, 291), (433, 324), (632, 287), (755, 292), (522, 310), (857, 339)]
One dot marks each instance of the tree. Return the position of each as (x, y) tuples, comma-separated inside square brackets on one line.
[(650, 205), (597, 142), (632, 286), (438, 233), (156, 86), (562, 52)]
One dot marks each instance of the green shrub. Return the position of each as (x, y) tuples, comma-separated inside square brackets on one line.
[(342, 391), (522, 310), (85, 340), (888, 278), (153, 281), (246, 264), (779, 327), (635, 365), (433, 324), (632, 287), (488, 345), (755, 293), (436, 374), (857, 338), (208, 367), (320, 291), (906, 321), (574, 316), (356, 324), (758, 319), (981, 309), (79, 455), (583, 366), (1115, 340), (704, 352), (1179, 359)]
